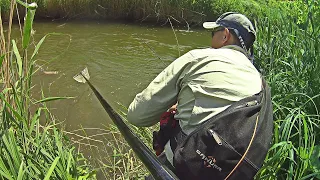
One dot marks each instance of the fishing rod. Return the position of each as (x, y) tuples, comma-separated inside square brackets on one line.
[(148, 158)]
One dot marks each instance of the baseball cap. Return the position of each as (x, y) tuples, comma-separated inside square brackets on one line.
[(240, 24)]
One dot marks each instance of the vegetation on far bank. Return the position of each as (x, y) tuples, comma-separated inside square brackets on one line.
[(183, 12), (287, 52)]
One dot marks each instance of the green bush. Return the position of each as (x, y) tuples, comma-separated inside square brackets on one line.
[(250, 8), (181, 11), (4, 5)]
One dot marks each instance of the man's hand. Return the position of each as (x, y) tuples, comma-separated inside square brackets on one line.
[(173, 108), (167, 131)]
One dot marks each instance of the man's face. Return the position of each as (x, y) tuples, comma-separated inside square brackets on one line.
[(219, 37)]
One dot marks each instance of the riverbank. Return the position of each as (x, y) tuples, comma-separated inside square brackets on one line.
[(184, 12)]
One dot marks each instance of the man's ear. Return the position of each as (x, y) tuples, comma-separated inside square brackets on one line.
[(226, 36)]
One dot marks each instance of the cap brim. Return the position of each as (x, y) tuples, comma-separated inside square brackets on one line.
[(210, 25)]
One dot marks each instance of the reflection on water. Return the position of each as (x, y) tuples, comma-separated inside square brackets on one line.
[(122, 59)]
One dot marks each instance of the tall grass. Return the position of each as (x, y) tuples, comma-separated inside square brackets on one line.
[(288, 54), (117, 160), (29, 150), (113, 158)]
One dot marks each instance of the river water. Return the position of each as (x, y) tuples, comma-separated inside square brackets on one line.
[(121, 58)]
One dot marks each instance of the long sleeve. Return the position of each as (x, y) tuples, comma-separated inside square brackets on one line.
[(161, 93), (204, 82)]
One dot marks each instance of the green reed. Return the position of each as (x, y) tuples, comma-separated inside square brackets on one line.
[(118, 160), (113, 158), (28, 149), (288, 55)]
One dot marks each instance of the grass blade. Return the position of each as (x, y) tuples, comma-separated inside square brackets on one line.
[(35, 52), (70, 159), (52, 99), (34, 120), (17, 115), (19, 59), (4, 172), (47, 177), (21, 171), (28, 27)]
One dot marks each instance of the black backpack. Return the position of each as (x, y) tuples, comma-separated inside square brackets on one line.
[(231, 145)]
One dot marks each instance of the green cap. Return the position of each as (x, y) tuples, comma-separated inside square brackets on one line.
[(242, 26)]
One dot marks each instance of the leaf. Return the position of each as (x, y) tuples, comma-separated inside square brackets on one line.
[(21, 172), (53, 165), (29, 76), (4, 172), (52, 99), (28, 27), (315, 159), (35, 119), (70, 158), (34, 164), (16, 114), (46, 155), (13, 154), (22, 3), (282, 144), (17, 54), (38, 47), (7, 114)]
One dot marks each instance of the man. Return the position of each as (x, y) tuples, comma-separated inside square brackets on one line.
[(202, 82)]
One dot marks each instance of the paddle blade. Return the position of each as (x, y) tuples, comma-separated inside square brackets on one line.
[(80, 77)]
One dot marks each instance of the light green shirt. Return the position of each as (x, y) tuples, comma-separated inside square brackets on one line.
[(204, 82)]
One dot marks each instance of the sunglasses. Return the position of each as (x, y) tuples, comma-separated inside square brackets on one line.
[(216, 30)]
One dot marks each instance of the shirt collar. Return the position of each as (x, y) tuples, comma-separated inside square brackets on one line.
[(237, 48)]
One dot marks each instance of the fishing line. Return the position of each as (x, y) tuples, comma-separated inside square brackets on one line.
[(151, 49)]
